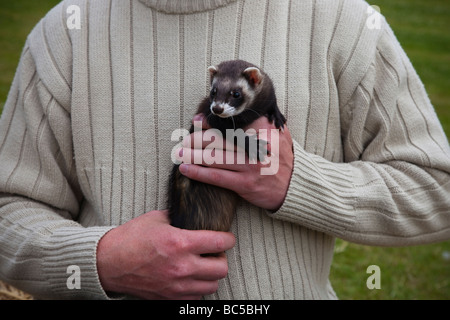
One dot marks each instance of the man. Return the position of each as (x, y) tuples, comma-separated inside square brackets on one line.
[(85, 143)]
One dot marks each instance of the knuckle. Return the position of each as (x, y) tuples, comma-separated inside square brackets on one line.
[(176, 247), (177, 289), (179, 271), (175, 243)]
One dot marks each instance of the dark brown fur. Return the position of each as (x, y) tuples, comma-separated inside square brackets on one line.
[(195, 205)]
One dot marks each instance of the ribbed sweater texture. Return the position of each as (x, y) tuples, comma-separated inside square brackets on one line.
[(85, 138)]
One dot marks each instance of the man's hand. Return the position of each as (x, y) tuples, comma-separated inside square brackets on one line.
[(267, 191), (148, 258)]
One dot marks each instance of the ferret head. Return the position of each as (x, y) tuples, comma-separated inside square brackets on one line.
[(234, 85)]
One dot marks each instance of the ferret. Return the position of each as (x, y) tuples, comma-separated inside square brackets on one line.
[(240, 93)]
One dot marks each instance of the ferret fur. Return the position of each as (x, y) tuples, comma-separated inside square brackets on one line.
[(240, 94)]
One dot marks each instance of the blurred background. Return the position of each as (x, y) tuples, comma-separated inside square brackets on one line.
[(423, 29)]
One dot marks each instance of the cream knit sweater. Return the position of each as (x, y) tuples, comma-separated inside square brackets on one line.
[(85, 137)]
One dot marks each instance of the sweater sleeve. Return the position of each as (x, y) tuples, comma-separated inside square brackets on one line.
[(40, 199), (393, 188)]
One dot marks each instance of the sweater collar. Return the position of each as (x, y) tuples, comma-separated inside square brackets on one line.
[(185, 6)]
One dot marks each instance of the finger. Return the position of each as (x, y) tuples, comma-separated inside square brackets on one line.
[(227, 179), (264, 126), (216, 158), (205, 241), (186, 289), (261, 123), (212, 138), (211, 267), (195, 289), (200, 121)]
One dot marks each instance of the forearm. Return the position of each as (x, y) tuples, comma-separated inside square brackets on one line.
[(394, 185), (38, 245), (40, 230), (393, 204)]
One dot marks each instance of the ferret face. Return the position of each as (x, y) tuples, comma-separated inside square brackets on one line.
[(229, 98), (232, 91)]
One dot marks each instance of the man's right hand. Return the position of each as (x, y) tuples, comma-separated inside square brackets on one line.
[(148, 258)]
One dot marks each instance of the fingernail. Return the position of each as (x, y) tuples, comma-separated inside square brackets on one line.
[(183, 168), (180, 152)]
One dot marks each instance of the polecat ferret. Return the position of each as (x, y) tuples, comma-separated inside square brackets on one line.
[(240, 94)]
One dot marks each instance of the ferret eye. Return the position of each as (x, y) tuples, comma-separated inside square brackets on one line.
[(235, 94), (213, 92)]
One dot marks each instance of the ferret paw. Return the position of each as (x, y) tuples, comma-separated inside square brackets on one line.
[(278, 120), (256, 149)]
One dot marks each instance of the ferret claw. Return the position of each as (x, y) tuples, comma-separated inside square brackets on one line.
[(256, 149)]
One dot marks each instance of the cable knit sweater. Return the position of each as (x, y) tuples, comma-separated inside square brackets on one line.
[(85, 137)]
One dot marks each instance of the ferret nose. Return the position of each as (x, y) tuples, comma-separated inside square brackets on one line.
[(217, 109)]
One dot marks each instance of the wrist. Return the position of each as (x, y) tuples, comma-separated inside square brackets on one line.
[(104, 258)]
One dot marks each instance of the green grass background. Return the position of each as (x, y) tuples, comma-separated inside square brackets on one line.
[(423, 29)]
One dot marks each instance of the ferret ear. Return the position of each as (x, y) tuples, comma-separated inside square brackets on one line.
[(212, 70), (253, 75)]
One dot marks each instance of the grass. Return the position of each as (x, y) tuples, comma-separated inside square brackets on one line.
[(17, 18), (420, 272), (422, 29)]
